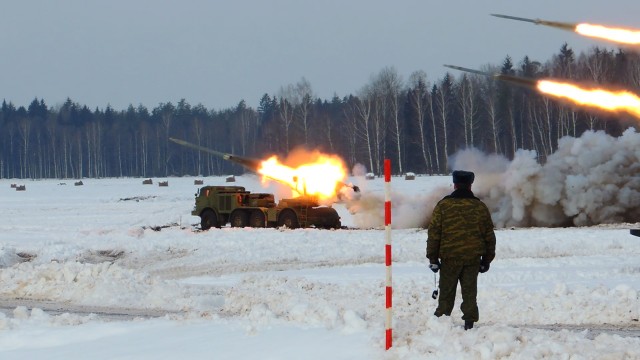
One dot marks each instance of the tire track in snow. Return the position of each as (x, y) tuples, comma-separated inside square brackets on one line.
[(216, 269), (112, 313), (593, 330)]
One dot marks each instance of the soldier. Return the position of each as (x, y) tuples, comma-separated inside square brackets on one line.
[(461, 243)]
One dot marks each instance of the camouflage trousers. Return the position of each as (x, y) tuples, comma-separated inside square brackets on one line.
[(466, 272)]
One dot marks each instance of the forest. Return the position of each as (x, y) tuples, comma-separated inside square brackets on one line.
[(416, 122)]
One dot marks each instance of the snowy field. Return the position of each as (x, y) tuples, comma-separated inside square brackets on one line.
[(116, 269)]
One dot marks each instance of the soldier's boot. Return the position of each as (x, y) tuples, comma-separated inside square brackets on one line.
[(468, 324)]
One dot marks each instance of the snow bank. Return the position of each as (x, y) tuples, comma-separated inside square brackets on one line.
[(104, 284)]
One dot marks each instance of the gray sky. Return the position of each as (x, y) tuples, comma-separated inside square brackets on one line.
[(217, 53)]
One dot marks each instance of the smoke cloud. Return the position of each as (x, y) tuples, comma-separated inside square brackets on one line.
[(408, 212), (590, 180), (367, 207)]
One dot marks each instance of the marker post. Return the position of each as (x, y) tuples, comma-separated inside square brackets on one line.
[(387, 249)]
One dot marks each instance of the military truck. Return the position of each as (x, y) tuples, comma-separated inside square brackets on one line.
[(219, 205)]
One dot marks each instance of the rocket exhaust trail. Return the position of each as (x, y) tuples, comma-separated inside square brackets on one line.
[(618, 35), (555, 24), (515, 80), (588, 97), (473, 71), (249, 163)]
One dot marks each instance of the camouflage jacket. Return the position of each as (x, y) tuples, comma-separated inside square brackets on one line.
[(461, 228)]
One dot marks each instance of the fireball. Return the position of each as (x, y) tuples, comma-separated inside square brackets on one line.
[(318, 175)]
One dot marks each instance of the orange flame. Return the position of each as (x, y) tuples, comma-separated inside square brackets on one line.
[(622, 101), (619, 35), (319, 176)]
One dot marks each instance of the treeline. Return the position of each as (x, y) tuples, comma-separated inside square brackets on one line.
[(416, 123)]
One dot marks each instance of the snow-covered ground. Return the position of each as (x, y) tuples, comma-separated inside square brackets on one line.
[(117, 269)]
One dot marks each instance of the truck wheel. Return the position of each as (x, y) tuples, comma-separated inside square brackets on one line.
[(337, 225), (222, 220), (256, 219), (208, 219), (238, 219), (289, 219)]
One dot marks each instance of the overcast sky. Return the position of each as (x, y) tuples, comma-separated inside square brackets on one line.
[(122, 52)]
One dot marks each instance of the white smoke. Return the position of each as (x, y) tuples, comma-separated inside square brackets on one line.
[(367, 207), (590, 180), (593, 179)]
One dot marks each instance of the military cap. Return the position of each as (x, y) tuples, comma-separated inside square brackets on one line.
[(463, 177)]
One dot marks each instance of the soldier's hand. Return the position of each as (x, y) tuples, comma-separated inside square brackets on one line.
[(434, 267), (484, 268)]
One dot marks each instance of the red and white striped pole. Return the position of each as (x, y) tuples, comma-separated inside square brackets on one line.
[(387, 250)]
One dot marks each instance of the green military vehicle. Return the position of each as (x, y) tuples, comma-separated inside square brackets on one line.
[(218, 205)]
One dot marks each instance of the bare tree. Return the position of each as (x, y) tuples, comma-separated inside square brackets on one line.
[(351, 114), (52, 132), (166, 114), (563, 66), (469, 107), (80, 162), (389, 85), (93, 136), (379, 127), (434, 127), (24, 129), (598, 66), (444, 103), (539, 129), (418, 100), (286, 106), (548, 115), (303, 97), (245, 124), (197, 132), (363, 107), (634, 71), (494, 123)]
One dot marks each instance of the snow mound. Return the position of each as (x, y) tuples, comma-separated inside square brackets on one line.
[(103, 284)]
